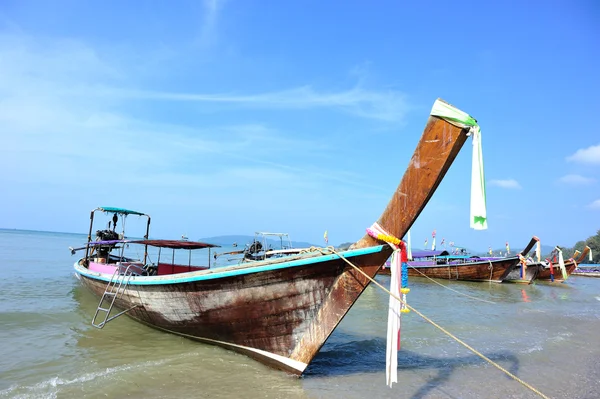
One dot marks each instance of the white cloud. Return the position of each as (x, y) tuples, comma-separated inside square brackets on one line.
[(590, 155), (595, 204), (32, 71), (576, 180), (210, 20), (386, 106), (66, 116), (508, 184)]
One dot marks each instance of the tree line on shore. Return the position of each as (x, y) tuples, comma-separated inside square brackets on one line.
[(593, 242)]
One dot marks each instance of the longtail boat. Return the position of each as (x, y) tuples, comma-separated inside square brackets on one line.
[(549, 270), (278, 311), (470, 269), (522, 272)]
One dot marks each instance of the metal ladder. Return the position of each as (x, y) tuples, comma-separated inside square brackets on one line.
[(114, 288)]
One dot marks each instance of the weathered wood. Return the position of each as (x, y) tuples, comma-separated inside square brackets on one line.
[(544, 272), (545, 275), (515, 274), (483, 270), (437, 149), (281, 311), (583, 256)]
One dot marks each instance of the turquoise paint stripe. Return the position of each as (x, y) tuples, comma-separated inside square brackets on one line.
[(215, 274)]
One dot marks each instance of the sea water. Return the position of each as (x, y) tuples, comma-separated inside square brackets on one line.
[(547, 335)]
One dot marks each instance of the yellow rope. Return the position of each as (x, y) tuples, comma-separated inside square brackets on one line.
[(475, 351), (448, 288)]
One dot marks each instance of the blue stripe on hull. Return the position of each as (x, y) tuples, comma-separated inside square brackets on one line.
[(228, 271)]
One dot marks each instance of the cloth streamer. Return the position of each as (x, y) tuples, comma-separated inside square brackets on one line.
[(590, 257), (394, 313), (561, 264), (478, 214)]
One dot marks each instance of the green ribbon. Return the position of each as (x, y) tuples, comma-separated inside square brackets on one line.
[(478, 215)]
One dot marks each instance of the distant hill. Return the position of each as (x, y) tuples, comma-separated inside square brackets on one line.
[(546, 250), (242, 240)]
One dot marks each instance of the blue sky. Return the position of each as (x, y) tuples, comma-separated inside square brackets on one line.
[(228, 117)]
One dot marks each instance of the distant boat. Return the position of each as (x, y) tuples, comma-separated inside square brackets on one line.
[(587, 271), (280, 310), (522, 273), (549, 270), (442, 265), (260, 248)]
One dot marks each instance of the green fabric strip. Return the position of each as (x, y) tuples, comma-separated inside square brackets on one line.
[(478, 216)]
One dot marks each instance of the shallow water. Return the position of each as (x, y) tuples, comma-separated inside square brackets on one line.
[(545, 334)]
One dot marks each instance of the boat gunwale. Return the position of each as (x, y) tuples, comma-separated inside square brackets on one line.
[(234, 270), (479, 262)]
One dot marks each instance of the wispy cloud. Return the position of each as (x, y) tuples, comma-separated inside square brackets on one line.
[(508, 184), (74, 71), (66, 116), (210, 19), (388, 106), (577, 180), (595, 204), (590, 155)]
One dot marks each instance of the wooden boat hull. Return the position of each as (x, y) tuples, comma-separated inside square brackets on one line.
[(586, 273), (515, 274), (280, 314), (495, 270), (281, 311), (544, 273)]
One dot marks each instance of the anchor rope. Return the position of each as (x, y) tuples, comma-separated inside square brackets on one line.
[(469, 347), (448, 288)]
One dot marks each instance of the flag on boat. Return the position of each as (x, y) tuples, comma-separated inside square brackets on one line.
[(326, 237), (443, 242), (490, 250), (426, 243), (433, 242), (507, 248)]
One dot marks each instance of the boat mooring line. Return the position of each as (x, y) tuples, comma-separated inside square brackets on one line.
[(475, 351), (451, 289)]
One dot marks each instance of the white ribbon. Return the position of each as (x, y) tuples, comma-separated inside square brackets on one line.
[(459, 118), (561, 263), (394, 314)]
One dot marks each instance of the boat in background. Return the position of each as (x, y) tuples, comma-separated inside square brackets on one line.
[(587, 270), (280, 311), (472, 268), (464, 267), (262, 248), (424, 257), (523, 273), (549, 270)]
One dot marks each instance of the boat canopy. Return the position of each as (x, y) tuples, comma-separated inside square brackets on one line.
[(429, 254), (265, 233), (120, 211), (174, 244)]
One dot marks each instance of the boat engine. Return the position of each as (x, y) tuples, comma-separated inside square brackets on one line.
[(105, 235)]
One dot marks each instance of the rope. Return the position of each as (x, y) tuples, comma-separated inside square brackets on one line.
[(475, 351), (451, 289)]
